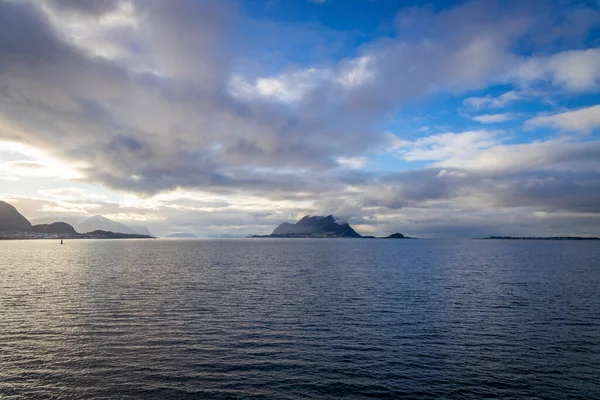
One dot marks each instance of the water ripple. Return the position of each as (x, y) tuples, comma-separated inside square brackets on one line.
[(299, 319)]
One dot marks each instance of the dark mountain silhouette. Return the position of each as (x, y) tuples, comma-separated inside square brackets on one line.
[(321, 227), (99, 234), (11, 219), (315, 226), (55, 227), (396, 236)]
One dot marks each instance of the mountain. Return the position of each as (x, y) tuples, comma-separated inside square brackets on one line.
[(15, 226), (315, 226), (182, 235), (227, 236), (100, 234), (72, 220), (84, 224), (396, 236), (11, 219), (55, 227), (100, 223), (141, 230)]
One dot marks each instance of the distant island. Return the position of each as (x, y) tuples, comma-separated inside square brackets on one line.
[(396, 236), (541, 238), (13, 225), (320, 227), (182, 235)]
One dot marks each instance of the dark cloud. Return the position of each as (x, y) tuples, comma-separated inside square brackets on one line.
[(86, 7)]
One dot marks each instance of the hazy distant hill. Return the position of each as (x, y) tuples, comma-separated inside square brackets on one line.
[(141, 230), (182, 235), (11, 219), (84, 224), (315, 226), (100, 223)]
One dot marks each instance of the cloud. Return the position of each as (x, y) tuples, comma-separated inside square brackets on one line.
[(584, 119), (447, 146), (27, 161), (353, 162), (494, 118), (72, 194), (158, 98), (489, 152), (492, 102), (573, 70), (287, 87), (167, 120), (96, 7)]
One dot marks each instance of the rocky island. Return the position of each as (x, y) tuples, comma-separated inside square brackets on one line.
[(320, 227), (13, 225)]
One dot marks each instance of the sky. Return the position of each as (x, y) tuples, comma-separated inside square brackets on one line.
[(440, 119)]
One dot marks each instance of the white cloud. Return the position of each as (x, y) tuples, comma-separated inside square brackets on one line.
[(294, 86), (506, 158), (494, 118), (72, 194), (584, 119), (450, 173), (574, 70), (487, 151), (353, 162), (448, 146), (356, 72), (492, 102), (287, 87)]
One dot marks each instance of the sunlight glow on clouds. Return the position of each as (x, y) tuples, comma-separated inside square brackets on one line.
[(31, 162)]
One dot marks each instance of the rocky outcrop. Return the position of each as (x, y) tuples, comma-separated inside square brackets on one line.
[(315, 226), (396, 236)]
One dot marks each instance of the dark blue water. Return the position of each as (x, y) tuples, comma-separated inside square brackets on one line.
[(415, 319)]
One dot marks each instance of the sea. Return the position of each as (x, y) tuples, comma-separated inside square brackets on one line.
[(299, 318)]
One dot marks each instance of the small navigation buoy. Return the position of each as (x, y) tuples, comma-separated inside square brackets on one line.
[(61, 241)]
